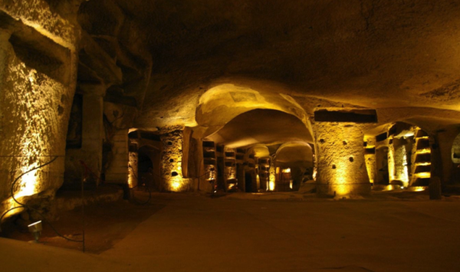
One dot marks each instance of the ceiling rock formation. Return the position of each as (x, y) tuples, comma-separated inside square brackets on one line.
[(374, 54), (261, 126), (161, 56)]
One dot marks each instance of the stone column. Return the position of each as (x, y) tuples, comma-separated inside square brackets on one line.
[(391, 161), (370, 158), (171, 159), (133, 166), (340, 158), (272, 177), (241, 177), (117, 171), (448, 145), (401, 171), (93, 129)]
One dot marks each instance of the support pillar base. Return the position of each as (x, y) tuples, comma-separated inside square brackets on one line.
[(334, 190)]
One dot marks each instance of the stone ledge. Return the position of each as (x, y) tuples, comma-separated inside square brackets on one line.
[(69, 200)]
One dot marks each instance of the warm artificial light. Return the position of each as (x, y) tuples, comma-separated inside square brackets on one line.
[(176, 185), (287, 170), (342, 179), (418, 188), (423, 175), (271, 183), (28, 185)]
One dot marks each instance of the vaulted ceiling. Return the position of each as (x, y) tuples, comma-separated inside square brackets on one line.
[(364, 53)]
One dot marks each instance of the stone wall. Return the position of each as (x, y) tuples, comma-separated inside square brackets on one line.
[(45, 19), (117, 170), (37, 84), (340, 158), (171, 159)]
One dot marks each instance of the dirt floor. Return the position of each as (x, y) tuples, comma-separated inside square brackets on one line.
[(387, 231), (104, 224)]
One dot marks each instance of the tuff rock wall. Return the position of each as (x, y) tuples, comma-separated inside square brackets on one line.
[(37, 84), (340, 159), (171, 159)]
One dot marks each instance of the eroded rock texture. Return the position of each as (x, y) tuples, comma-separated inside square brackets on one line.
[(37, 79)]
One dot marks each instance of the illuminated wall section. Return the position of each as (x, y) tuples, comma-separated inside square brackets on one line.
[(36, 92), (133, 167), (401, 161), (340, 159), (421, 159), (230, 175), (391, 161), (272, 179), (171, 159), (34, 116), (49, 23), (370, 158), (264, 174)]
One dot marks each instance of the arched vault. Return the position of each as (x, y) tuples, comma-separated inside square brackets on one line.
[(245, 107)]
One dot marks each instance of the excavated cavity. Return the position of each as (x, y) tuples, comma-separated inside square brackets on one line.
[(218, 88)]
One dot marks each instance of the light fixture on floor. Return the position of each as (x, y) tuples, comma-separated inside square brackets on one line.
[(36, 229)]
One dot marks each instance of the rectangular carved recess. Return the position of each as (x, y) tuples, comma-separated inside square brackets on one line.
[(381, 137), (369, 151), (421, 158), (422, 168), (220, 148), (150, 136), (353, 116), (209, 161), (36, 50), (229, 163), (421, 182), (208, 144), (209, 154), (423, 143)]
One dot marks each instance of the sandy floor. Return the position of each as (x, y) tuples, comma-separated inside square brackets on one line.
[(246, 232)]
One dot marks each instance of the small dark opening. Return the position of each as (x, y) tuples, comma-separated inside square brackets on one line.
[(355, 116), (381, 137), (369, 150)]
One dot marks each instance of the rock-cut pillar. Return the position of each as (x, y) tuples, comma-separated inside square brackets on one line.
[(340, 159)]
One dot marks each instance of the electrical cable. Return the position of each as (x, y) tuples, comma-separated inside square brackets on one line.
[(25, 206), (3, 215), (55, 230), (26, 172)]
